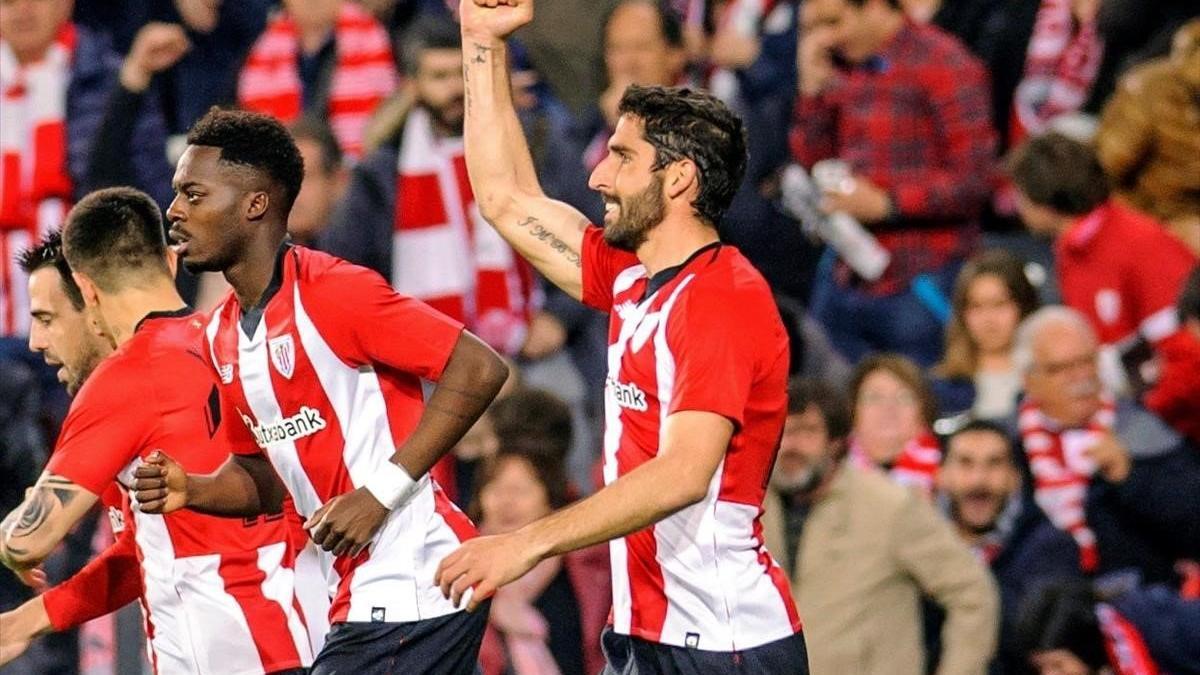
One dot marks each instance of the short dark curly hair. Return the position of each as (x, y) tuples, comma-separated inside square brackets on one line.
[(49, 253), (684, 123), (253, 140)]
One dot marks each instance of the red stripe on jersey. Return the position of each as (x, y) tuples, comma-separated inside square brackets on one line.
[(777, 576), (321, 455), (345, 566), (458, 521), (267, 621)]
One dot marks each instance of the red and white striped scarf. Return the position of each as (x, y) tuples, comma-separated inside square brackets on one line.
[(365, 74), (1062, 470), (443, 252), (1127, 650), (35, 187), (1060, 66), (916, 465)]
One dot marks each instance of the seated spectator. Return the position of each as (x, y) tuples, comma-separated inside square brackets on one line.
[(1071, 629), (1117, 266), (861, 551), (1104, 470), (991, 297), (893, 412), (409, 213), (1149, 137), (75, 118), (327, 58), (550, 620), (980, 489), (1176, 396), (906, 107)]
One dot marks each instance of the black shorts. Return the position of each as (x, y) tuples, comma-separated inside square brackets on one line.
[(626, 655), (447, 645)]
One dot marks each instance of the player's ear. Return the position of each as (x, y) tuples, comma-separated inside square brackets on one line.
[(682, 176), (257, 205), (172, 261), (87, 288)]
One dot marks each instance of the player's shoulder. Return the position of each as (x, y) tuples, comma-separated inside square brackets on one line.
[(728, 280), (315, 268)]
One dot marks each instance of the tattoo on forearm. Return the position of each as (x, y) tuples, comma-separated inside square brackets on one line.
[(481, 53), (37, 508), (539, 232)]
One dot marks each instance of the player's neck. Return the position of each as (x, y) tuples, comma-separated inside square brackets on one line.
[(125, 310), (251, 275), (673, 241)]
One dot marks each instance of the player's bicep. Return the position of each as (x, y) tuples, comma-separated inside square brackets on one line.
[(549, 234), (50, 509)]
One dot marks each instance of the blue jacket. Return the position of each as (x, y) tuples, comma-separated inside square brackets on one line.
[(114, 137), (1169, 624)]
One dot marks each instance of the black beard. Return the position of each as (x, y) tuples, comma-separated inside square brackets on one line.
[(639, 214)]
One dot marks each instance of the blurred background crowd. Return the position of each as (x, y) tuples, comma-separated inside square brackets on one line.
[(981, 219)]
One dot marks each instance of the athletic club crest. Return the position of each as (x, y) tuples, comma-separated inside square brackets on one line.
[(283, 354)]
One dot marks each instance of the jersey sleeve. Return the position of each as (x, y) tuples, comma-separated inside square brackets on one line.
[(109, 582), (601, 265), (713, 348), (366, 322), (1155, 293), (108, 425)]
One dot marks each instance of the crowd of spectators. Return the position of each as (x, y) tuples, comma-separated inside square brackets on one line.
[(991, 461)]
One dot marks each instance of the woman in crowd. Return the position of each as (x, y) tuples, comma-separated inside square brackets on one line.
[(991, 297), (893, 412), (550, 620)]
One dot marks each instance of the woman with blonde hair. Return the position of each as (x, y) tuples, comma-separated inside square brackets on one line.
[(991, 297)]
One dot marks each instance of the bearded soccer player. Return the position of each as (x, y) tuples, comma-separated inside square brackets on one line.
[(217, 594), (323, 362), (696, 390)]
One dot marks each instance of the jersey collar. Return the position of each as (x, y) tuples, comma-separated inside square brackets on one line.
[(664, 277), (165, 314), (251, 316)]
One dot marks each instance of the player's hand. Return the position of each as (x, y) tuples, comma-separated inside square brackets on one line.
[(156, 47), (482, 565), (496, 19), (346, 523), (20, 626), (160, 484)]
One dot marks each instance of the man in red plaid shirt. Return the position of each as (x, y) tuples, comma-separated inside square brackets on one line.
[(907, 107)]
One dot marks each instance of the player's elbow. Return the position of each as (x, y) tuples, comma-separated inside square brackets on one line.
[(681, 491), (496, 201)]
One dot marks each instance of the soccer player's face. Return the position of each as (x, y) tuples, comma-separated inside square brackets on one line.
[(630, 186), (978, 477), (805, 453), (61, 333), (205, 215)]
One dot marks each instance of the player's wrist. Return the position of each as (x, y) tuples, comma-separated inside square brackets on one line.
[(391, 485), (31, 618)]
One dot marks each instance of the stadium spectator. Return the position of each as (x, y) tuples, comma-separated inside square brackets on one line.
[(1104, 470), (410, 215), (327, 58), (75, 117), (1176, 396), (1101, 247), (894, 410), (991, 297), (325, 180), (1071, 629), (1149, 137), (861, 551), (906, 106), (553, 616), (980, 489), (1133, 32)]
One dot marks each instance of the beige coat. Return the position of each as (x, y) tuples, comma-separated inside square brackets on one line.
[(870, 548)]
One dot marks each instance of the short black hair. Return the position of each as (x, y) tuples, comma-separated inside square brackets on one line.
[(1059, 172), (316, 130), (49, 253), (804, 393), (684, 123), (669, 21), (980, 426), (894, 4), (428, 32), (1062, 615), (253, 140), (113, 232), (1189, 298)]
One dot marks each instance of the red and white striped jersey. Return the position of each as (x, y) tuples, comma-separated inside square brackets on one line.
[(327, 381), (702, 336), (217, 593)]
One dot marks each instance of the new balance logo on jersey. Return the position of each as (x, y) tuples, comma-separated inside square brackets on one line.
[(304, 423), (226, 373), (116, 518), (627, 395)]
